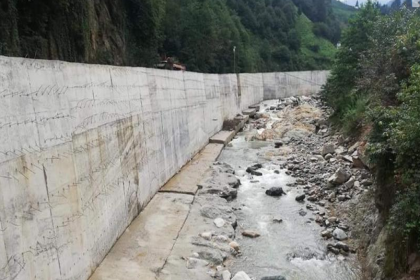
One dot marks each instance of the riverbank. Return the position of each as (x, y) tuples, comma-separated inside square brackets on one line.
[(278, 203)]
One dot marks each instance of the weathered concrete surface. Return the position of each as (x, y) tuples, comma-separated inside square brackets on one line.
[(207, 206), (191, 174), (222, 137), (157, 243), (83, 149), (286, 84), (249, 112), (142, 250)]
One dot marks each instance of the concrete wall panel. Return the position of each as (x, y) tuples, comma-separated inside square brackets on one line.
[(83, 148), (286, 84)]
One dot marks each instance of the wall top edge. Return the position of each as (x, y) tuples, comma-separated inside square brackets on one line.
[(22, 60)]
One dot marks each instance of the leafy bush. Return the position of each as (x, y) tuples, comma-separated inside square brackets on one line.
[(314, 48), (354, 114), (376, 82)]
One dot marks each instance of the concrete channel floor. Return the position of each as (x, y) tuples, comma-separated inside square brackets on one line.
[(144, 248), (187, 179)]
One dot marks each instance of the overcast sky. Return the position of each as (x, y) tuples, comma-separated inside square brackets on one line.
[(353, 2)]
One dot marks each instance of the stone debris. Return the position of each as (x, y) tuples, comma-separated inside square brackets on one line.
[(206, 235), (278, 277), (277, 220), (234, 245), (250, 233), (226, 275), (339, 177), (339, 234), (328, 149), (300, 198), (241, 276), (327, 171), (331, 170), (193, 263), (219, 222), (275, 191)]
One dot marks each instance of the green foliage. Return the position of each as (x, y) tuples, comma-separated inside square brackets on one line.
[(342, 12), (198, 33), (341, 89), (354, 115), (376, 82), (316, 51)]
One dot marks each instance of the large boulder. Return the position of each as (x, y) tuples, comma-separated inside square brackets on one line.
[(339, 234), (275, 191), (328, 149), (339, 177)]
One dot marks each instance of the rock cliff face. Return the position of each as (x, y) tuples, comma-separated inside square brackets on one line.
[(94, 31)]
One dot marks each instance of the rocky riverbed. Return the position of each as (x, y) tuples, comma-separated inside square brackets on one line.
[(276, 205)]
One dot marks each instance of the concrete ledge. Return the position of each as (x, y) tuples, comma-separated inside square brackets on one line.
[(255, 106), (142, 250), (244, 120), (222, 137), (249, 112), (190, 175)]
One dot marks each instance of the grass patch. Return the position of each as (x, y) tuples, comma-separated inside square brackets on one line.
[(315, 50)]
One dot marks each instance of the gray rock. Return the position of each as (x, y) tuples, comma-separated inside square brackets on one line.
[(302, 212), (278, 144), (212, 256), (332, 249), (339, 234), (193, 263), (300, 198), (250, 233), (328, 156), (255, 173), (354, 147), (241, 276), (228, 194), (339, 177), (348, 159), (340, 150), (350, 183), (328, 149), (275, 191), (343, 246), (254, 167), (219, 222), (277, 220), (226, 275), (234, 245), (278, 277), (206, 235)]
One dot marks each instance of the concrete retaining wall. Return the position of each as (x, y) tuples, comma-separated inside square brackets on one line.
[(83, 148), (280, 85)]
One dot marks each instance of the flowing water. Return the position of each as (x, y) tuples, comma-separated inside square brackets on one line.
[(293, 248)]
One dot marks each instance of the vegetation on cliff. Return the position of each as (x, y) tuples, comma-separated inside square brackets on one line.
[(199, 33), (375, 90)]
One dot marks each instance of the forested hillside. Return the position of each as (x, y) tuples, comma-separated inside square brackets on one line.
[(198, 33)]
